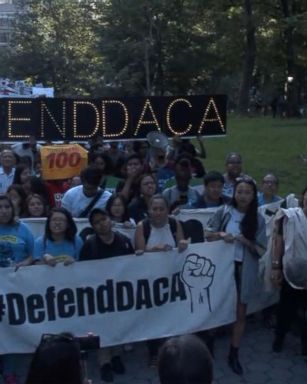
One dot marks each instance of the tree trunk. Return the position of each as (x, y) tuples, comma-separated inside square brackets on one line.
[(249, 58), (291, 80)]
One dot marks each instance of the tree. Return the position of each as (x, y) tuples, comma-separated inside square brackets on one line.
[(152, 47), (54, 43), (249, 57)]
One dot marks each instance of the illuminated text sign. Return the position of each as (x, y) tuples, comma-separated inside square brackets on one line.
[(112, 118)]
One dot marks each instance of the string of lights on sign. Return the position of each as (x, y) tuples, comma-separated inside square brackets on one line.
[(123, 118)]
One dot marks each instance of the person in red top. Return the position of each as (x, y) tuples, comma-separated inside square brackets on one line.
[(56, 190)]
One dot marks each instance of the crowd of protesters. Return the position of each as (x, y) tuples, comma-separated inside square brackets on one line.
[(151, 186)]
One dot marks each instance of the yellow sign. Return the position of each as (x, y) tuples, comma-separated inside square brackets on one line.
[(62, 161)]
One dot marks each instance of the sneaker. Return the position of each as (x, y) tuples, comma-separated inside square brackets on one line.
[(106, 373), (10, 379), (117, 365)]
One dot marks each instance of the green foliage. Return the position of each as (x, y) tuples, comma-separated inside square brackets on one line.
[(139, 47), (54, 43), (266, 145)]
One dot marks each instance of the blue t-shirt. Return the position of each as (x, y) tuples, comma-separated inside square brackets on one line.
[(57, 250), (261, 200), (163, 175), (16, 244)]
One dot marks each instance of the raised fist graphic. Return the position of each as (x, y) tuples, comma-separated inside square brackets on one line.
[(197, 274)]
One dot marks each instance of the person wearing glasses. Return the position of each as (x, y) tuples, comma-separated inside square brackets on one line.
[(269, 189), (60, 243), (146, 187), (241, 224)]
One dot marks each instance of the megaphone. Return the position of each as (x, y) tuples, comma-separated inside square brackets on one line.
[(157, 140)]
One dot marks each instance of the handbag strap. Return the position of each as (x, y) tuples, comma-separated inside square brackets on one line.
[(87, 209)]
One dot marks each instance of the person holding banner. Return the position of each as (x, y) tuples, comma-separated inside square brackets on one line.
[(157, 233), (240, 223), (60, 242), (289, 271), (16, 249), (106, 243)]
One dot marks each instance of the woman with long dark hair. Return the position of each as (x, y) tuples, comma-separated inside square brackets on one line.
[(22, 174), (60, 243), (17, 196), (146, 187), (16, 249), (118, 210), (240, 223)]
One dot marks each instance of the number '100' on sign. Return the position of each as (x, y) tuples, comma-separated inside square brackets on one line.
[(62, 161)]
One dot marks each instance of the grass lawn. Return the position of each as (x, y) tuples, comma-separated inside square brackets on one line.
[(266, 145)]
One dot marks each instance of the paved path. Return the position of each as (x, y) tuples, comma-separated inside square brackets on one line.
[(261, 366)]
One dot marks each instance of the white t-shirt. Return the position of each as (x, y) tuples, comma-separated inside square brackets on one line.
[(233, 227), (75, 201)]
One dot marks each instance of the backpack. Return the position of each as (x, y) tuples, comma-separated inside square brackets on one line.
[(147, 228)]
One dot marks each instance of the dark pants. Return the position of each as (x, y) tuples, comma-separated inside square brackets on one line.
[(292, 305), (153, 346)]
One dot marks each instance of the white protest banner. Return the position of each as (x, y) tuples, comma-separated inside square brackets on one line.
[(201, 214), (122, 299), (37, 227)]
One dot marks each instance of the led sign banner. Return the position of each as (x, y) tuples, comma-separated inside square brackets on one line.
[(113, 118)]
